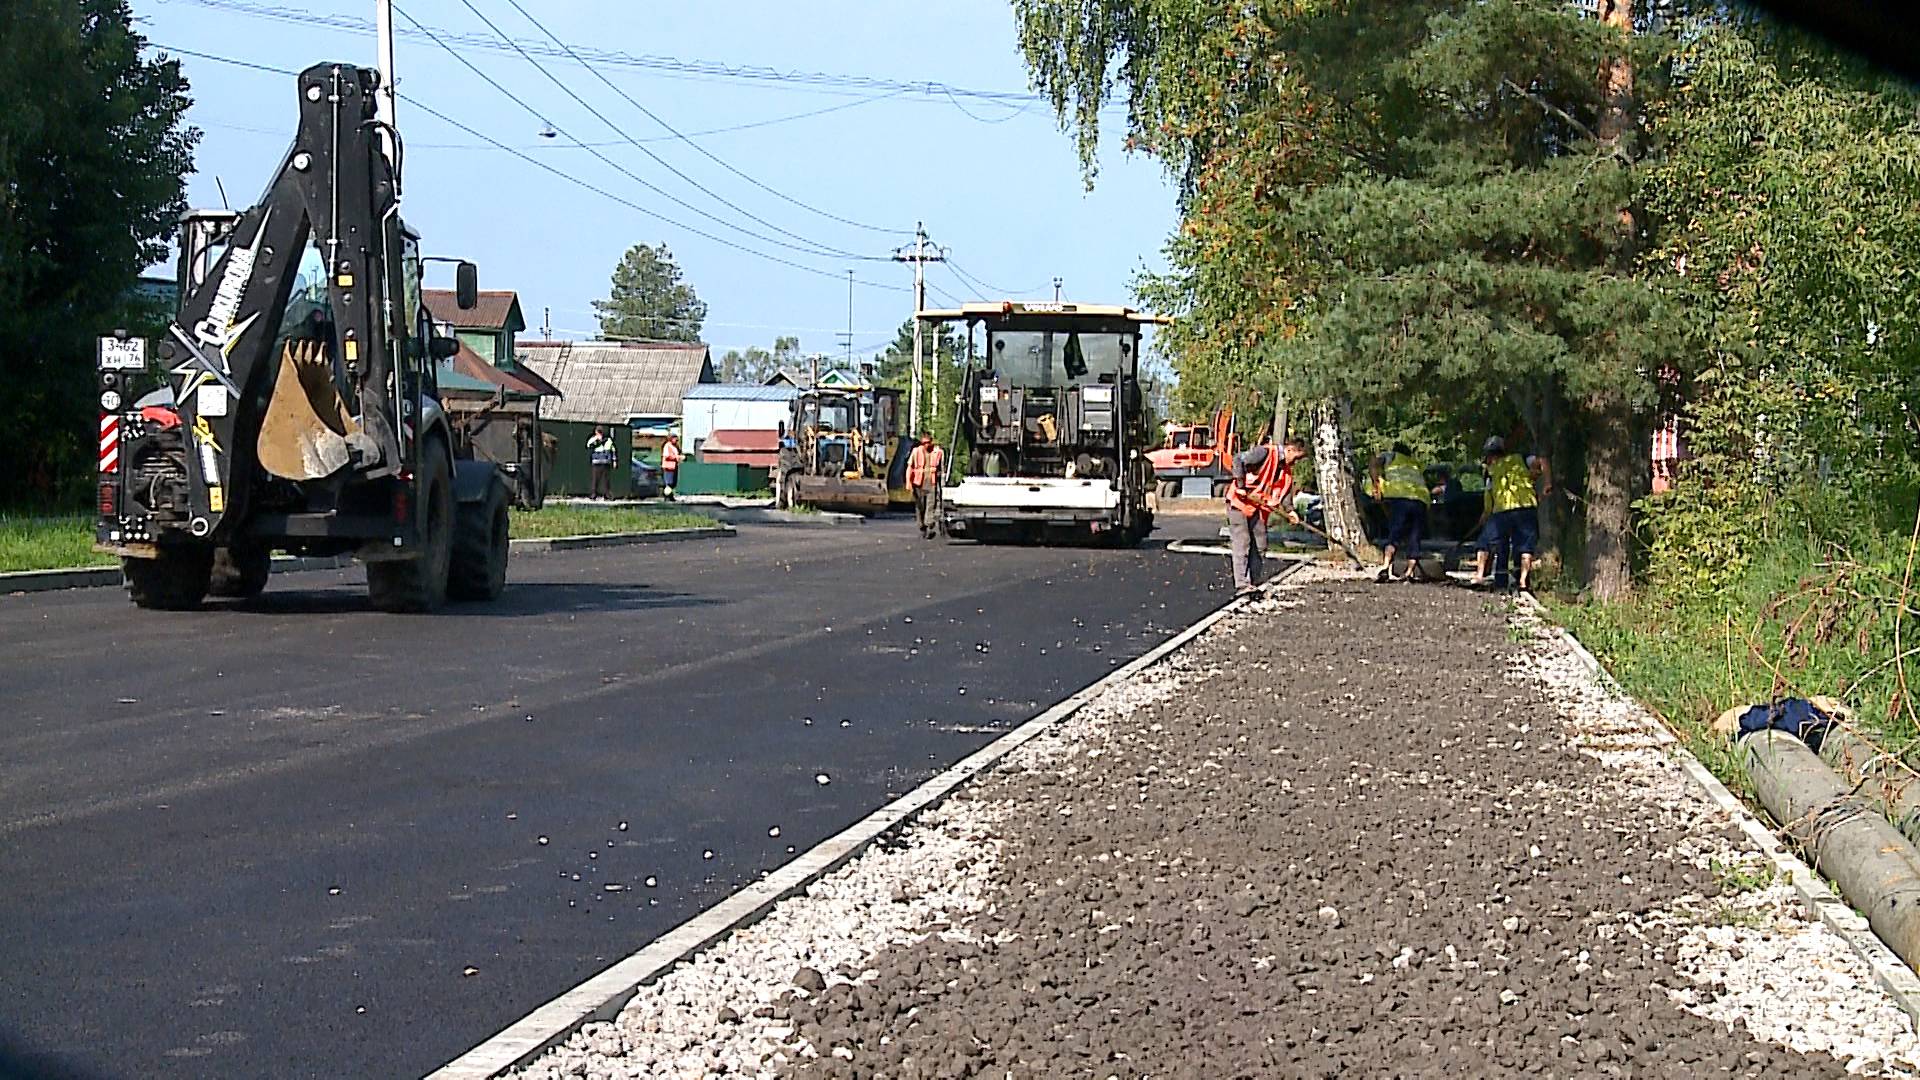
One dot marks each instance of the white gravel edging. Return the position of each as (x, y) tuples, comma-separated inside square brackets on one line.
[(1785, 958), (1892, 974), (739, 964)]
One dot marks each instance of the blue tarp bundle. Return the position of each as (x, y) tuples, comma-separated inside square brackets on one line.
[(1795, 716)]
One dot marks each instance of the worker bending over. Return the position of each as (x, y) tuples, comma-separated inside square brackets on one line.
[(1262, 481), (926, 470), (1511, 513), (1400, 483)]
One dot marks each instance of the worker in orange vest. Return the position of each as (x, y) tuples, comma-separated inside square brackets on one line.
[(926, 472), (669, 466), (1262, 481)]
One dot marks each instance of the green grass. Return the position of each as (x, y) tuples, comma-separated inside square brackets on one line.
[(1743, 877), (597, 520), (1796, 618), (60, 543), (48, 543)]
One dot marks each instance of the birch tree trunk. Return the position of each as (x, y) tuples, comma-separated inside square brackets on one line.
[(1330, 456)]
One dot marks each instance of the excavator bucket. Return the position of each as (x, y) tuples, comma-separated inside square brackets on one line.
[(304, 435), (852, 495)]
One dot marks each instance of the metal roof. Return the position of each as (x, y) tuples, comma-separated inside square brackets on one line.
[(493, 309), (738, 392), (608, 382)]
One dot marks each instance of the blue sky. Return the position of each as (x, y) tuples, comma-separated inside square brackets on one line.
[(994, 179)]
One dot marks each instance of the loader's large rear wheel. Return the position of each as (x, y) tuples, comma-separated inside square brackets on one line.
[(480, 549), (176, 581), (240, 571), (420, 583)]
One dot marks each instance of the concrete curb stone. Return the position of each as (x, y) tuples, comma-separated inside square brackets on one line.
[(602, 997)]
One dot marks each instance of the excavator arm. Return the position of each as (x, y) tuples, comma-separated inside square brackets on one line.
[(306, 387)]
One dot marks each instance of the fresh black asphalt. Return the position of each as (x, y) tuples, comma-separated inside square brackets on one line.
[(301, 838)]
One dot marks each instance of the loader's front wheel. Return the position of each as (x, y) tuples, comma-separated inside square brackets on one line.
[(420, 583), (176, 581), (240, 571), (480, 548)]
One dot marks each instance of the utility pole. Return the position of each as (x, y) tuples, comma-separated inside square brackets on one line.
[(1057, 282), (546, 324), (919, 258), (383, 99), (849, 319)]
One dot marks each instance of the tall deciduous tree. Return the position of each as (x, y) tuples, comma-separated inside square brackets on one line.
[(1389, 201), (94, 152), (649, 300)]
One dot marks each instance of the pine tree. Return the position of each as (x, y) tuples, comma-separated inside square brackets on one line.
[(649, 301), (92, 178)]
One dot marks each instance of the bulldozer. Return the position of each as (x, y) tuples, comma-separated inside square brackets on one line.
[(842, 449)]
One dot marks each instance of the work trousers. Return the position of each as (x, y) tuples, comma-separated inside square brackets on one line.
[(603, 481), (926, 508), (1247, 540)]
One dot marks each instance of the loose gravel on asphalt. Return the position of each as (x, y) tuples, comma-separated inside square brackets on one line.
[(1353, 830)]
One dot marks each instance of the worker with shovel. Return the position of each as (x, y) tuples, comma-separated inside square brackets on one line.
[(1263, 480)]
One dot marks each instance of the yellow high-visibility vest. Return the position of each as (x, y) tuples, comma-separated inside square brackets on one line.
[(1510, 484), (1404, 478)]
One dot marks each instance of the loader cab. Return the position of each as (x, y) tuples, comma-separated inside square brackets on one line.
[(203, 239)]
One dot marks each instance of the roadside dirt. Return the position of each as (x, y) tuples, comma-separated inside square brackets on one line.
[(1360, 849)]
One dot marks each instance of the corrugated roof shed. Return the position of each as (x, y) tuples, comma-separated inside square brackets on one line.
[(608, 382), (494, 309)]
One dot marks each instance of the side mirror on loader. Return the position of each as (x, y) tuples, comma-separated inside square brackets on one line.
[(466, 286)]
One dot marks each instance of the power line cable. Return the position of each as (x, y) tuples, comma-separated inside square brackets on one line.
[(747, 126), (986, 289), (568, 177), (671, 66), (820, 249), (1015, 114), (655, 117)]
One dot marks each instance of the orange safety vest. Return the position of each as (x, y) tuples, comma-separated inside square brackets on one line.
[(670, 456), (923, 466), (1271, 478)]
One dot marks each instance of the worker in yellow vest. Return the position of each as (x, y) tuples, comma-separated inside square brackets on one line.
[(1511, 515), (1400, 483)]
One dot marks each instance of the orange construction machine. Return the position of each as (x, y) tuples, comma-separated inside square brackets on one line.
[(1196, 461)]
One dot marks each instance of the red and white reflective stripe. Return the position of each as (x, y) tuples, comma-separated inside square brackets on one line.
[(109, 443)]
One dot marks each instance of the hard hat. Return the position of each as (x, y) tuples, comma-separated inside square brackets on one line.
[(1495, 445)]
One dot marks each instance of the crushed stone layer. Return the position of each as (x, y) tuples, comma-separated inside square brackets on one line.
[(1352, 830)]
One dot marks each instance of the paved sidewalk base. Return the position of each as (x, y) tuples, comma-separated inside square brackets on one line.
[(1353, 831)]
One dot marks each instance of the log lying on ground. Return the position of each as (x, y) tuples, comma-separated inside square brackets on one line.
[(1892, 787), (1843, 835)]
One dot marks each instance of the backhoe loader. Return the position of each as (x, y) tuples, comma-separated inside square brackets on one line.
[(294, 405)]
